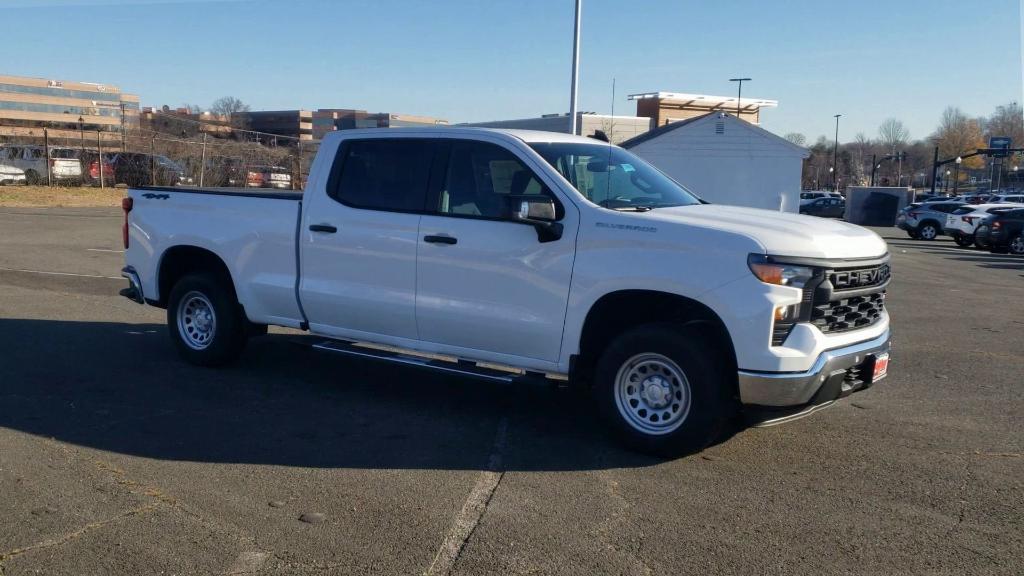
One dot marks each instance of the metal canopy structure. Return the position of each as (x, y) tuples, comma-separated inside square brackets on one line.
[(705, 102)]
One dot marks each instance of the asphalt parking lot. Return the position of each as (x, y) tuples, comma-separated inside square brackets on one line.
[(117, 458)]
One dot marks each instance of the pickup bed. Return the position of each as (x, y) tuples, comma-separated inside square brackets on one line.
[(517, 253)]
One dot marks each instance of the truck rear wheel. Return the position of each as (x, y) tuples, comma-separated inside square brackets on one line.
[(663, 390), (205, 321)]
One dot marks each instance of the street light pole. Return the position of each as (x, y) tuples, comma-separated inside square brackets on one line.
[(81, 136), (575, 67), (835, 154), (739, 93), (956, 175), (123, 137)]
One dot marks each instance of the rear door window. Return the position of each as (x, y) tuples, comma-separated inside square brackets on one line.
[(383, 174)]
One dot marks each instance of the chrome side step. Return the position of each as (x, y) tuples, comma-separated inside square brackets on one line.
[(432, 362)]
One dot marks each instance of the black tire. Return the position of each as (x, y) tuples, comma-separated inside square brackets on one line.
[(963, 241), (32, 177), (913, 234), (702, 418), (213, 347), (979, 235), (928, 231)]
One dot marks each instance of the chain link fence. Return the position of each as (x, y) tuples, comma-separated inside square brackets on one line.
[(191, 156)]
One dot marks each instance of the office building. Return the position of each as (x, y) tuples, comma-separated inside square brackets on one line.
[(28, 105), (327, 120), (616, 128), (297, 124), (667, 107)]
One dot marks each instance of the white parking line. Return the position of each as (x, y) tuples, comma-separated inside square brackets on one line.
[(473, 509), (2, 269), (104, 250)]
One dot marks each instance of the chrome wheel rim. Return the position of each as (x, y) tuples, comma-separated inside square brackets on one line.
[(1017, 245), (652, 394), (197, 322), (928, 232)]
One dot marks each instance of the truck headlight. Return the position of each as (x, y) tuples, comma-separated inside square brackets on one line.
[(779, 274)]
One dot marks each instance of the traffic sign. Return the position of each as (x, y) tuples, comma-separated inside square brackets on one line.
[(999, 142)]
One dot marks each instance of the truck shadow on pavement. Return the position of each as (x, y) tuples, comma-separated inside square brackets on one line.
[(121, 388)]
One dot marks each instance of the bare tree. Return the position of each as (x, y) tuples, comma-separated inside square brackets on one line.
[(957, 135), (1006, 121), (893, 134), (192, 108), (228, 105), (231, 108), (796, 138)]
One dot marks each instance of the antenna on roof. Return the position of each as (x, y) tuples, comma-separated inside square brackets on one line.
[(611, 122)]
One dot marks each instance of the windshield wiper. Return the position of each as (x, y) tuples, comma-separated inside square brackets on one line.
[(639, 208)]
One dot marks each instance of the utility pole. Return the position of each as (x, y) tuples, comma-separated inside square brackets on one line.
[(81, 135), (123, 136), (935, 169), (46, 147), (739, 94), (202, 162), (99, 158), (575, 67), (835, 155)]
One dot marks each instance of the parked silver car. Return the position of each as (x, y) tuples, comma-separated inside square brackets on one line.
[(924, 221), (11, 175), (63, 165)]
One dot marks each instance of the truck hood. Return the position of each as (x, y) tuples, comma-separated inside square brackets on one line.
[(780, 233)]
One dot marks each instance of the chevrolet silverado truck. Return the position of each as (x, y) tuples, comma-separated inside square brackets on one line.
[(512, 255)]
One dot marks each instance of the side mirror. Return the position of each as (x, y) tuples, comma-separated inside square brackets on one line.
[(531, 207), (537, 210)]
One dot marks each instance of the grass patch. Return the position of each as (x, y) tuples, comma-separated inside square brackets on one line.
[(45, 196)]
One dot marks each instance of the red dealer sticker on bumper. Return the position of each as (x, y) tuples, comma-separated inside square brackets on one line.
[(881, 367)]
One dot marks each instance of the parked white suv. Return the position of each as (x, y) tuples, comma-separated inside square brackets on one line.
[(1013, 198), (809, 196), (962, 223), (543, 253)]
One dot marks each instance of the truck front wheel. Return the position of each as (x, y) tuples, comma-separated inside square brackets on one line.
[(205, 320), (663, 390)]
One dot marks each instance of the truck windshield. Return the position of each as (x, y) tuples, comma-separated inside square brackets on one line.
[(612, 177)]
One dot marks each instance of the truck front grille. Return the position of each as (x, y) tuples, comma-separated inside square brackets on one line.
[(848, 313)]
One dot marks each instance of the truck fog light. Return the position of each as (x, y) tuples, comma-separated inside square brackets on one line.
[(787, 313), (785, 317)]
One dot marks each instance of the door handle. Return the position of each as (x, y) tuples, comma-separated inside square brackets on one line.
[(440, 239), (327, 228)]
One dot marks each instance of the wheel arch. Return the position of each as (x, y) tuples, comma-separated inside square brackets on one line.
[(178, 261), (619, 311)]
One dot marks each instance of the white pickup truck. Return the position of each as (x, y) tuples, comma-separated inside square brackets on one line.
[(512, 254)]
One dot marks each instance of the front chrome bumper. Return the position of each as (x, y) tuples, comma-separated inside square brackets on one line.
[(779, 389)]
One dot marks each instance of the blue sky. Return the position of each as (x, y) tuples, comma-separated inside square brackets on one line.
[(468, 60)]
